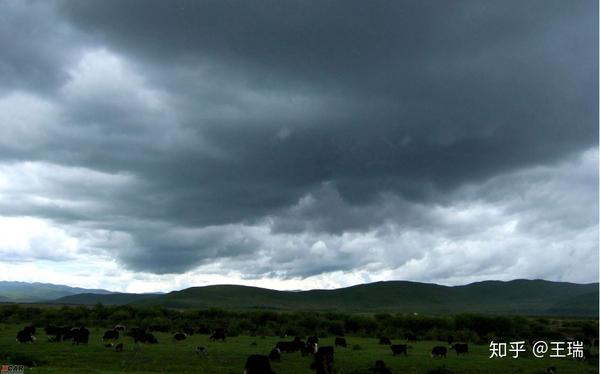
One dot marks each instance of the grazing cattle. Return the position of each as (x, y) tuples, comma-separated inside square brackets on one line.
[(461, 348), (30, 329), (326, 350), (323, 361), (219, 334), (142, 336), (78, 335), (289, 347), (341, 342), (57, 334), (120, 328), (410, 337), (179, 336), (110, 335), (275, 354), (309, 349), (398, 349), (53, 333), (258, 364), (450, 340), (312, 340), (201, 350), (81, 336), (70, 335), (25, 337), (439, 351), (380, 368), (119, 347), (146, 337), (384, 340)]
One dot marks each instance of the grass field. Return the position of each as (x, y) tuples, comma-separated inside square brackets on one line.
[(229, 357)]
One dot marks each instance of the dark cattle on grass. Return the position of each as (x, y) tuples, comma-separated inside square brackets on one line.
[(25, 337), (323, 361), (119, 347), (309, 349), (30, 329), (439, 351), (119, 328), (258, 364), (57, 334), (385, 340), (312, 340), (219, 334), (289, 347), (275, 355), (78, 335), (340, 342), (398, 349), (179, 336), (138, 334), (142, 336), (110, 335), (326, 350), (461, 348), (53, 333), (380, 368)]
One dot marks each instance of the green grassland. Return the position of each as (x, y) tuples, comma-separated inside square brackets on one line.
[(229, 357)]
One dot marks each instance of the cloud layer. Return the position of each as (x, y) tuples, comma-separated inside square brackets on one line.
[(304, 144)]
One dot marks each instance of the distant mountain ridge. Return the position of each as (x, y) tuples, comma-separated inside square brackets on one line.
[(36, 292), (527, 297)]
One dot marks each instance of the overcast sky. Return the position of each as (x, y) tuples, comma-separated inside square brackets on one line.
[(157, 145)]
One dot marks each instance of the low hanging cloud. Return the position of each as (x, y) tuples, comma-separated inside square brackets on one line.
[(283, 141)]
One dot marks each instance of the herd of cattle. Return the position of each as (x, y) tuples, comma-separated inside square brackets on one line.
[(323, 356)]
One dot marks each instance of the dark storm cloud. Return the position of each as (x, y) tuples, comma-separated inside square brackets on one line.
[(417, 93), (303, 117)]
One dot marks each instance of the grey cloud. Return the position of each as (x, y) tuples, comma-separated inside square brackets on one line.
[(302, 119)]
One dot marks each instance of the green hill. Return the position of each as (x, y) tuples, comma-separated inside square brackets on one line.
[(532, 297), (106, 299), (528, 297)]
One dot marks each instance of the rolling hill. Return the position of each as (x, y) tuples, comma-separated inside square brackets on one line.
[(529, 297), (116, 298)]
